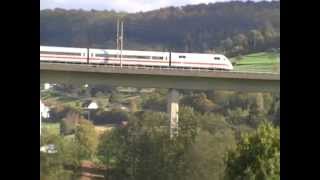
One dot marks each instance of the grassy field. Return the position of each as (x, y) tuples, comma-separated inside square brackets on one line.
[(55, 128), (258, 62), (52, 127)]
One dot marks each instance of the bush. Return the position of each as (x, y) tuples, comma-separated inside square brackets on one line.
[(87, 139), (68, 124), (155, 102), (100, 117), (52, 166), (199, 102), (59, 112)]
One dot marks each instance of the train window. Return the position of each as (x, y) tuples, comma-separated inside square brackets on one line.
[(106, 55), (157, 57), (182, 56), (216, 58), (60, 53), (136, 57)]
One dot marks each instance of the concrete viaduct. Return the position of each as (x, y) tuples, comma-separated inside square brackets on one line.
[(148, 77)]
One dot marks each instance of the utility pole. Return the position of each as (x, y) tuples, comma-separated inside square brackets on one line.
[(121, 43), (40, 116), (120, 38), (118, 34)]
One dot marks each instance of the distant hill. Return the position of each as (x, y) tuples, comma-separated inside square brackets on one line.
[(231, 27)]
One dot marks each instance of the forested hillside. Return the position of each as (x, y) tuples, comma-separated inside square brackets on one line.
[(231, 27)]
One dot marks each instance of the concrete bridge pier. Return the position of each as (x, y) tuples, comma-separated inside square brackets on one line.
[(173, 110)]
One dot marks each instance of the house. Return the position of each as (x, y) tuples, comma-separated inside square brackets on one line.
[(50, 149), (147, 90), (126, 89), (88, 104), (44, 112), (47, 86), (120, 107), (93, 105)]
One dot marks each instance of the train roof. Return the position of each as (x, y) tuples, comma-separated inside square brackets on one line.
[(69, 49)]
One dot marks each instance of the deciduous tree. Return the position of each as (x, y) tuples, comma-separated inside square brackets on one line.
[(257, 156)]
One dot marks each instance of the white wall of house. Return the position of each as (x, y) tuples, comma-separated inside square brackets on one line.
[(93, 105), (44, 112), (47, 86)]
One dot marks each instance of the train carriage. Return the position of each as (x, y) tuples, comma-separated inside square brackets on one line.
[(134, 58), (127, 57), (63, 54), (196, 60)]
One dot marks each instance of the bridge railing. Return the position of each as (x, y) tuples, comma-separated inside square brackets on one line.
[(275, 70)]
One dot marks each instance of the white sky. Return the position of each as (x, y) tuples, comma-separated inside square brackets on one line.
[(118, 5)]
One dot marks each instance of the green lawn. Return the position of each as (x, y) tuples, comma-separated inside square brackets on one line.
[(51, 127), (258, 62)]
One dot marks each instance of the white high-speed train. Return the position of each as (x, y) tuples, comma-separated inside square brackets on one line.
[(134, 58)]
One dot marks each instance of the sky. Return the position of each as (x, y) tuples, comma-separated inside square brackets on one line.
[(118, 5)]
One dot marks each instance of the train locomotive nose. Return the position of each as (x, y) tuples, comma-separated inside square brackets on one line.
[(230, 66)]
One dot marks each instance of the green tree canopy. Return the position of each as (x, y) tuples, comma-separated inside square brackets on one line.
[(257, 156), (87, 138)]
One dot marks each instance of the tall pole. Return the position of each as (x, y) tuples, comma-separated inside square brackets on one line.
[(121, 35), (121, 43), (40, 116), (118, 33)]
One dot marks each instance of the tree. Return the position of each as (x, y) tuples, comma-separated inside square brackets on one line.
[(220, 97), (238, 116), (199, 102), (275, 112), (52, 165), (68, 124), (268, 31), (156, 101), (227, 44), (188, 125), (206, 156), (58, 112), (115, 116), (257, 113), (143, 149), (213, 122), (137, 149), (257, 155), (192, 28), (133, 105), (115, 98), (255, 38), (260, 102), (87, 139), (241, 40)]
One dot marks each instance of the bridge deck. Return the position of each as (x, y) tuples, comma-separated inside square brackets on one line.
[(158, 77), (159, 71)]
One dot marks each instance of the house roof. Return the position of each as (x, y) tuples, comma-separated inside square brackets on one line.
[(90, 104), (86, 103), (93, 105)]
